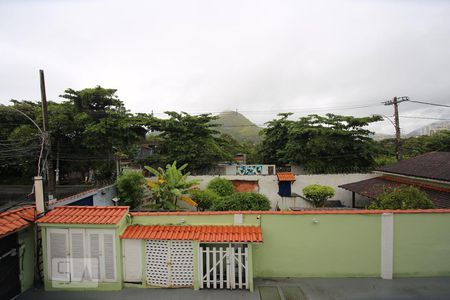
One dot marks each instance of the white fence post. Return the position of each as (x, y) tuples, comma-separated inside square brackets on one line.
[(387, 245)]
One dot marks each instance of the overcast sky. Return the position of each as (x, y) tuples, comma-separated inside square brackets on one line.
[(260, 57)]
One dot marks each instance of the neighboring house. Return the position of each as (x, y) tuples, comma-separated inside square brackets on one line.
[(429, 172), (93, 197), (109, 248), (17, 248)]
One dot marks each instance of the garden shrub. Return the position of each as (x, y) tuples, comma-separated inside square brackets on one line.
[(221, 186), (242, 201), (130, 188), (203, 198), (403, 197), (318, 194)]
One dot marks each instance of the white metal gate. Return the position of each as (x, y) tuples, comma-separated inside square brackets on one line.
[(223, 266), (170, 263)]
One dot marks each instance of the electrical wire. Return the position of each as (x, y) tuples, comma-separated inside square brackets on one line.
[(429, 103)]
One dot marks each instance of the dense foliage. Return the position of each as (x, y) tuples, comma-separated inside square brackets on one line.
[(221, 186), (204, 198), (189, 139), (320, 144), (318, 194), (403, 197), (242, 201), (169, 186), (130, 189), (88, 132), (413, 146)]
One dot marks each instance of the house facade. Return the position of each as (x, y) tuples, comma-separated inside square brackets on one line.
[(429, 172), (108, 248)]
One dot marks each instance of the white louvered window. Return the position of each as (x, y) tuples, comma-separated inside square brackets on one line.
[(102, 254), (76, 255), (58, 254)]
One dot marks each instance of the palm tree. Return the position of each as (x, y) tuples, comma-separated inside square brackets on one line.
[(171, 184)]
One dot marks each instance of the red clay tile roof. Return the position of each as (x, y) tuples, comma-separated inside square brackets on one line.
[(207, 233), (85, 215), (371, 188), (16, 219), (432, 165), (285, 176)]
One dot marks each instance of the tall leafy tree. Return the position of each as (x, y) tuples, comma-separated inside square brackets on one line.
[(190, 140), (321, 144)]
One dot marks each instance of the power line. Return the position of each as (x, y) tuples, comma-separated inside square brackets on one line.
[(429, 103), (424, 118)]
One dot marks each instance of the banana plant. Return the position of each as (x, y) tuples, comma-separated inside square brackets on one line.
[(170, 186)]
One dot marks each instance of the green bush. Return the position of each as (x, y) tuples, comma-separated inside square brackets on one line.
[(403, 197), (130, 188), (242, 201), (221, 186), (318, 194), (203, 198)]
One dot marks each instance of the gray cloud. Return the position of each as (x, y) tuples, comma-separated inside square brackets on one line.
[(260, 57)]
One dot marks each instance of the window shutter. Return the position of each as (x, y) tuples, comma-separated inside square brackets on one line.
[(94, 256), (109, 257), (58, 260), (77, 253)]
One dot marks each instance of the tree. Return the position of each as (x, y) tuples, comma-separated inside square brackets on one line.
[(275, 139), (130, 189), (203, 198), (171, 184), (88, 132), (329, 144), (318, 194), (242, 201), (403, 197), (190, 140), (221, 186), (414, 146)]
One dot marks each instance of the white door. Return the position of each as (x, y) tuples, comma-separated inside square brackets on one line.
[(223, 266), (132, 260), (58, 254), (170, 263), (77, 255)]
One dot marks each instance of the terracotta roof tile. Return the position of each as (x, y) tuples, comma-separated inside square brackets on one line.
[(203, 233), (16, 219), (285, 176), (85, 215)]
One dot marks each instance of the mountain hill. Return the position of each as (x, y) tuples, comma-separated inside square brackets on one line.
[(238, 126), (430, 129)]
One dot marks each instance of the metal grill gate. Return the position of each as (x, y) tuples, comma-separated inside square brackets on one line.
[(170, 263), (223, 266)]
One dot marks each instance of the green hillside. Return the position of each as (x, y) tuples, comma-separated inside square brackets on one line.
[(238, 126)]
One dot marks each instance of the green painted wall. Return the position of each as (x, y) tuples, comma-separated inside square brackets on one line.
[(27, 255), (336, 246), (421, 244)]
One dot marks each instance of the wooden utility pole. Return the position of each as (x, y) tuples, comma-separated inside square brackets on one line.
[(398, 140), (50, 171)]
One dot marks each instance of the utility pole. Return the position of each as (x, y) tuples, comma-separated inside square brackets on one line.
[(50, 171), (398, 141)]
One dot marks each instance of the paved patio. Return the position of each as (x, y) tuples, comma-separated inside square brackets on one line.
[(280, 289)]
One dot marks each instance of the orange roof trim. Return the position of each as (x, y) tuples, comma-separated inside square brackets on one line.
[(286, 176), (306, 212), (105, 215), (16, 219), (207, 233)]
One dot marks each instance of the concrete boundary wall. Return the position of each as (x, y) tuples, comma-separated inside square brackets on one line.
[(337, 244), (268, 186)]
